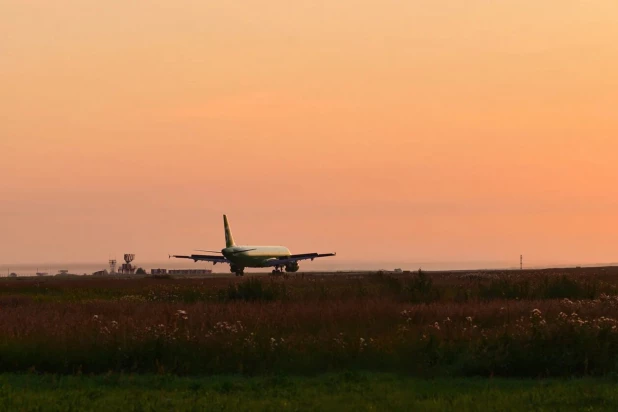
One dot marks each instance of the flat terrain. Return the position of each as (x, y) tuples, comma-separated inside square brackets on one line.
[(345, 392), (549, 323), (469, 340)]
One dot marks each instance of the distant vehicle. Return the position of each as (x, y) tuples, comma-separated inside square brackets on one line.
[(13, 275), (241, 257)]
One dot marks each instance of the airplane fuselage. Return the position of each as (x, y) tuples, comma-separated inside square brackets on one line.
[(254, 256), (240, 257)]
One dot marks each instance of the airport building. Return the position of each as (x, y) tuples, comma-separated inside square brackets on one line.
[(180, 271)]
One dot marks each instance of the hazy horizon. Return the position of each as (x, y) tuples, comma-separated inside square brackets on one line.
[(401, 131), (80, 268)]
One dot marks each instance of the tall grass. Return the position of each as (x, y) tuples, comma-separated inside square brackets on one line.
[(254, 289), (422, 324), (419, 287)]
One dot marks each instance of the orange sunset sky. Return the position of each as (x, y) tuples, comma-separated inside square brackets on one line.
[(384, 130)]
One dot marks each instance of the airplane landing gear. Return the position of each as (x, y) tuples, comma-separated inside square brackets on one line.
[(277, 271), (237, 270)]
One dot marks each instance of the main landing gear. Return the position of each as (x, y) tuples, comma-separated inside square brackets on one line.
[(290, 267), (237, 270)]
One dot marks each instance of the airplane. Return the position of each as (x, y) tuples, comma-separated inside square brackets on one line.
[(241, 257)]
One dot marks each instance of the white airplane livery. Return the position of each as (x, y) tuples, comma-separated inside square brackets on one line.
[(241, 257)]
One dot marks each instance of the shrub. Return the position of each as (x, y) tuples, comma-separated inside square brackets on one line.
[(253, 289), (546, 287), (420, 288), (163, 276)]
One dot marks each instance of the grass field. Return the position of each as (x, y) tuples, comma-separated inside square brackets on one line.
[(345, 391), (559, 323), (541, 340)]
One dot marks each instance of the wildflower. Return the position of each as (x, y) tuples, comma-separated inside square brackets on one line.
[(114, 324), (469, 319), (436, 325), (95, 317), (536, 312)]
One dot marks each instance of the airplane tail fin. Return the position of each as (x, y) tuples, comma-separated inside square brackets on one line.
[(229, 239)]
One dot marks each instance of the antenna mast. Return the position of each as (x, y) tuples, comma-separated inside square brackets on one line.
[(112, 266)]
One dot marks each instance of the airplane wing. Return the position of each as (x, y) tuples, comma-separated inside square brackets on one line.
[(204, 258), (296, 258)]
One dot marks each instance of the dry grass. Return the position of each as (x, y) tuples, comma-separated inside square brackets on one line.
[(447, 324)]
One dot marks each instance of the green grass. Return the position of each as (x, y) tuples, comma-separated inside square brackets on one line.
[(347, 391)]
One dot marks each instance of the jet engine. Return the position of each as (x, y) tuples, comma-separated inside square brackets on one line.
[(292, 267)]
